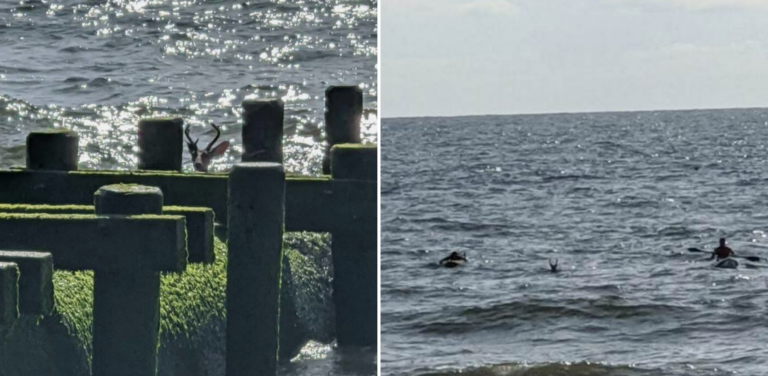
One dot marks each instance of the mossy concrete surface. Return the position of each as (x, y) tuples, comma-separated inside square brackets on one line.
[(199, 224), (90, 242), (354, 161), (306, 198), (192, 316)]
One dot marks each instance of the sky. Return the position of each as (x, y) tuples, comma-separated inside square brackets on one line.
[(477, 57)]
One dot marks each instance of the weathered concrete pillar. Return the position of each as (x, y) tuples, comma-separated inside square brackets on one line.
[(354, 252), (126, 303), (9, 296), (54, 149), (263, 130), (160, 143), (36, 281), (343, 110), (256, 216)]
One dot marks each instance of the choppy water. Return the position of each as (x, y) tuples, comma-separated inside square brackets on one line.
[(617, 198), (98, 66)]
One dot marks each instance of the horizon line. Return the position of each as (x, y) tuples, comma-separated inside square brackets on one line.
[(574, 112)]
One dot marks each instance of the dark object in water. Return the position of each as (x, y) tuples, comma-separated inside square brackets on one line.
[(727, 263), (553, 266), (454, 259)]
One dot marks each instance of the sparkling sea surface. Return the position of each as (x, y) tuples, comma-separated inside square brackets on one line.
[(617, 198), (98, 66)]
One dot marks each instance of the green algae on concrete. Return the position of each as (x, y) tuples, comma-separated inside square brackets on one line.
[(354, 161), (35, 281), (199, 220), (87, 241), (126, 301), (309, 202), (128, 199), (192, 316)]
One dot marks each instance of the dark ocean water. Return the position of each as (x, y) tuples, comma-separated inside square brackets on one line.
[(617, 198), (98, 66)]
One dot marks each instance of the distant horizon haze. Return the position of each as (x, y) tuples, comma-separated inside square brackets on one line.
[(453, 58), (578, 112)]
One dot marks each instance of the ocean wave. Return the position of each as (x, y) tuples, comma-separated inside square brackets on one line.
[(551, 369), (511, 315)]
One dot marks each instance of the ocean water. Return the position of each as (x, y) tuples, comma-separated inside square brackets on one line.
[(98, 66), (617, 198)]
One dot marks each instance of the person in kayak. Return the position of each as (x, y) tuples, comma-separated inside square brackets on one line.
[(722, 252), (454, 259)]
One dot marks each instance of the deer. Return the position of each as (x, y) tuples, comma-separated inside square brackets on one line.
[(202, 159), (553, 266)]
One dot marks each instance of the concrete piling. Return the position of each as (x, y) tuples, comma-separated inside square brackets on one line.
[(160, 144), (126, 303), (35, 282), (55, 149), (256, 216), (343, 111), (263, 130), (354, 252), (9, 295)]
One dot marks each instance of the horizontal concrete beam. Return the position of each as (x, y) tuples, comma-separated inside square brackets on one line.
[(199, 224), (78, 187), (9, 293), (311, 204), (90, 242), (35, 281)]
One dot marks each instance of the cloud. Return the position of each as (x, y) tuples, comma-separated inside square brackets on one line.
[(466, 7), (700, 4), (489, 7)]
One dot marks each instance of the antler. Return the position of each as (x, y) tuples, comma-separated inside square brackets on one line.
[(189, 142), (553, 266), (218, 133)]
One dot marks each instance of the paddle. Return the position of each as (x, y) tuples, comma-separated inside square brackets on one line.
[(750, 258)]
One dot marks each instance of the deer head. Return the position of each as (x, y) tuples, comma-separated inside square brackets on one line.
[(202, 159), (553, 266)]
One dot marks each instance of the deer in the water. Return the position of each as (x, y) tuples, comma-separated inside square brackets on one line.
[(202, 158), (553, 266)]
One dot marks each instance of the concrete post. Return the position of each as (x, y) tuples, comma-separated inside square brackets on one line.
[(54, 149), (160, 144), (126, 304), (354, 252), (36, 282), (263, 130), (9, 295), (256, 215), (343, 110)]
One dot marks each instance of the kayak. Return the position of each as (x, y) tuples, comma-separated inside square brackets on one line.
[(452, 263), (727, 263)]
